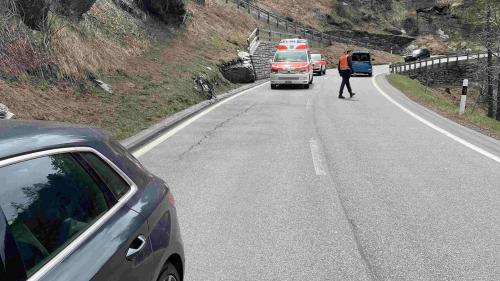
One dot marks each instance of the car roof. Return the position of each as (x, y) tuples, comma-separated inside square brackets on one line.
[(21, 137), (360, 52)]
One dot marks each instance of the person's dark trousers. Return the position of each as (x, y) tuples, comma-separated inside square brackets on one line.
[(346, 75)]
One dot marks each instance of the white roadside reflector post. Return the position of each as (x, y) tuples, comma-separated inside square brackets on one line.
[(463, 98)]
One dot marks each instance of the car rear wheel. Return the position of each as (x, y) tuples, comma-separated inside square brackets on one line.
[(306, 86), (273, 86), (169, 273)]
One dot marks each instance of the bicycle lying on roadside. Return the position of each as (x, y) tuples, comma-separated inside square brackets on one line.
[(205, 87)]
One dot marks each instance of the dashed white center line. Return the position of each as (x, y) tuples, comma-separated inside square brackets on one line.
[(308, 104), (317, 157)]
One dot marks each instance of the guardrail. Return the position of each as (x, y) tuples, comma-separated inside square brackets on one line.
[(289, 27), (436, 62), (295, 29)]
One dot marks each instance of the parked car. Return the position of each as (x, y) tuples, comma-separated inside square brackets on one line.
[(418, 54), (319, 63), (75, 205), (362, 63), (292, 67)]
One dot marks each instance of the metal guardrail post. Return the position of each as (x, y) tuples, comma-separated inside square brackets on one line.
[(238, 4), (268, 19), (258, 14), (286, 26), (248, 7)]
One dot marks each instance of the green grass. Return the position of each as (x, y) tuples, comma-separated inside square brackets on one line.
[(152, 101), (425, 96)]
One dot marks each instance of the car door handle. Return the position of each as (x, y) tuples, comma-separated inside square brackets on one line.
[(136, 247)]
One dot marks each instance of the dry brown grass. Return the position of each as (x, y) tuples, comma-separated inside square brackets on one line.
[(219, 26), (52, 103), (76, 55)]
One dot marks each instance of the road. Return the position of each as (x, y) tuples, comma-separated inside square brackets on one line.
[(296, 184)]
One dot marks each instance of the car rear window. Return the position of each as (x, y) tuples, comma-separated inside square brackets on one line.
[(361, 57), (113, 181), (48, 202), (316, 57), (291, 56)]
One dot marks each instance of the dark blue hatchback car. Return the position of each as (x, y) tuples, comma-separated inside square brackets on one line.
[(75, 205)]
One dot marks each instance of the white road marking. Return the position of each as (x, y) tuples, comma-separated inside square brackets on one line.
[(435, 127), (317, 157), (148, 147), (308, 104)]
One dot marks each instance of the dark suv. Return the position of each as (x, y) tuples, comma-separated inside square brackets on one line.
[(75, 205), (418, 54)]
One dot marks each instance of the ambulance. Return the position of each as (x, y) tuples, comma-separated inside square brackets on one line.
[(292, 67), (292, 64)]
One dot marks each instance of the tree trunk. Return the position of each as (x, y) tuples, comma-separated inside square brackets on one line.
[(489, 79), (498, 98), (489, 68)]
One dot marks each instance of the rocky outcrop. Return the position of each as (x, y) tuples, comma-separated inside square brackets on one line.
[(131, 7), (34, 12), (5, 112), (168, 11), (240, 70), (378, 41), (72, 9)]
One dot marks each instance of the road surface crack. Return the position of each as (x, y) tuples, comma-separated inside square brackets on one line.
[(209, 133)]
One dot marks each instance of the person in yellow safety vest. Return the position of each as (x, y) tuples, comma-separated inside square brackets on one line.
[(345, 71)]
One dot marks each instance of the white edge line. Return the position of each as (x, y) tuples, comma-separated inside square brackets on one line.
[(435, 127), (157, 141)]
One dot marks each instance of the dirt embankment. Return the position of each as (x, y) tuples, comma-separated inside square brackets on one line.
[(149, 64)]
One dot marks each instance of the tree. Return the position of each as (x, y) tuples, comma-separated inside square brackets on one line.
[(484, 16)]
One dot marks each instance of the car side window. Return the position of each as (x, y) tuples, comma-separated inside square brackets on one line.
[(48, 202), (109, 176)]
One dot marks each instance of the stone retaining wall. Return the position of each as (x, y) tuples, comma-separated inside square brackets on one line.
[(261, 57), (384, 42)]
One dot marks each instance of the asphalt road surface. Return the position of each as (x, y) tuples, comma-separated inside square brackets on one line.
[(295, 184)]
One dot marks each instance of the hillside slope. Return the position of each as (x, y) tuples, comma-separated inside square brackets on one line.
[(439, 24), (149, 64)]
